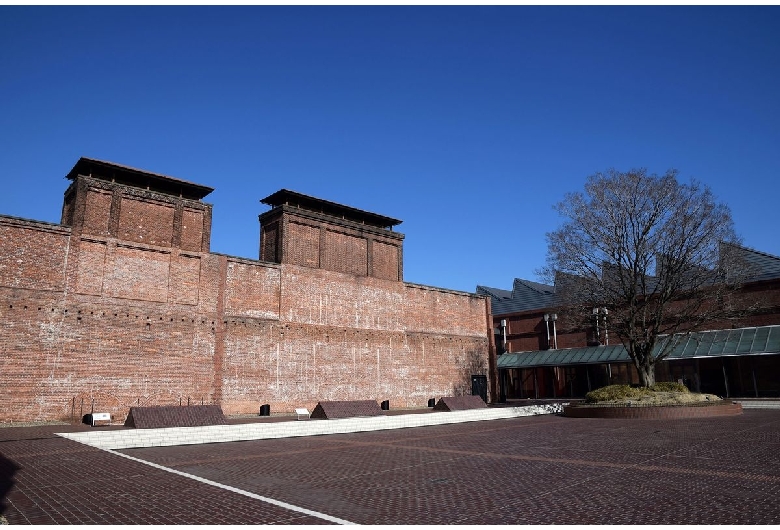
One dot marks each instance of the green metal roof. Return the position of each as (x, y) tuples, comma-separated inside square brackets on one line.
[(744, 341)]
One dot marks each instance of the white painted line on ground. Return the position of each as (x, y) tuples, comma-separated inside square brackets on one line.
[(249, 494)]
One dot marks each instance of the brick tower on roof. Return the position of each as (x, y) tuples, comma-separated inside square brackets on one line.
[(110, 200), (311, 232)]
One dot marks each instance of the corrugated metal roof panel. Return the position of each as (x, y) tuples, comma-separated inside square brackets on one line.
[(745, 341), (745, 344), (590, 355), (759, 265), (761, 339), (527, 295), (579, 356), (493, 292), (719, 342), (773, 341), (524, 296), (618, 354), (597, 354), (732, 341), (689, 348)]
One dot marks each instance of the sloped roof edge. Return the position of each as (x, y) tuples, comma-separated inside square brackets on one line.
[(760, 340)]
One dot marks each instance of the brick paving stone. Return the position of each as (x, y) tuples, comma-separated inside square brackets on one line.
[(59, 481), (533, 470)]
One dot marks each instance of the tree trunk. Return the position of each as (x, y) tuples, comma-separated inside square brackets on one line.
[(646, 374), (642, 356)]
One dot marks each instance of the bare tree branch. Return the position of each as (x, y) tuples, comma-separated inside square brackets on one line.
[(651, 250)]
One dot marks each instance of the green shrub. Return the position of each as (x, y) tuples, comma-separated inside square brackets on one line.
[(668, 386), (613, 393), (623, 392)]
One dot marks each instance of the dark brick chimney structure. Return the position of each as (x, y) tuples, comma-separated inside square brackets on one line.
[(303, 230)]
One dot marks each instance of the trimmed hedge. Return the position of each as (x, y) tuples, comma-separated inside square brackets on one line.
[(622, 392), (613, 393), (668, 386)]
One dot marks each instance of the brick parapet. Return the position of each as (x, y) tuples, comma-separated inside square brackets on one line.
[(42, 226)]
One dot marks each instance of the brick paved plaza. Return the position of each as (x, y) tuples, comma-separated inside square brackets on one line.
[(542, 469)]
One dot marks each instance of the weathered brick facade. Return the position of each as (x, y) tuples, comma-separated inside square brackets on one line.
[(302, 230), (123, 304)]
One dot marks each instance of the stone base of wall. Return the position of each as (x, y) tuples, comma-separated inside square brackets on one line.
[(725, 408)]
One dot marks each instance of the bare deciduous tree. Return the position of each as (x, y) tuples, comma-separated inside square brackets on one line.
[(650, 250)]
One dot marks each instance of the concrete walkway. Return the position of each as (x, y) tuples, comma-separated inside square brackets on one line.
[(171, 436), (758, 403)]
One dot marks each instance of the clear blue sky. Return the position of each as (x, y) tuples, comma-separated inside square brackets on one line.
[(467, 123)]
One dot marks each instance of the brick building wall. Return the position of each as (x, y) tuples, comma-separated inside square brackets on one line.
[(123, 304), (335, 338), (757, 303)]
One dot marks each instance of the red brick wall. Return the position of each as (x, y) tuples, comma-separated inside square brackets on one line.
[(269, 242), (137, 273), (192, 230), (317, 240), (302, 244), (184, 282), (146, 222), (251, 290), (91, 266), (385, 261), (342, 337), (345, 253), (108, 209), (68, 207), (32, 255), (439, 311), (59, 352), (126, 323), (96, 220)]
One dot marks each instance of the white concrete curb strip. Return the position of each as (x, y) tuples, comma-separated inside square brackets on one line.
[(754, 404), (131, 438)]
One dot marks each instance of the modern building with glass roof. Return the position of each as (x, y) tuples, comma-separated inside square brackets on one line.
[(537, 360)]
